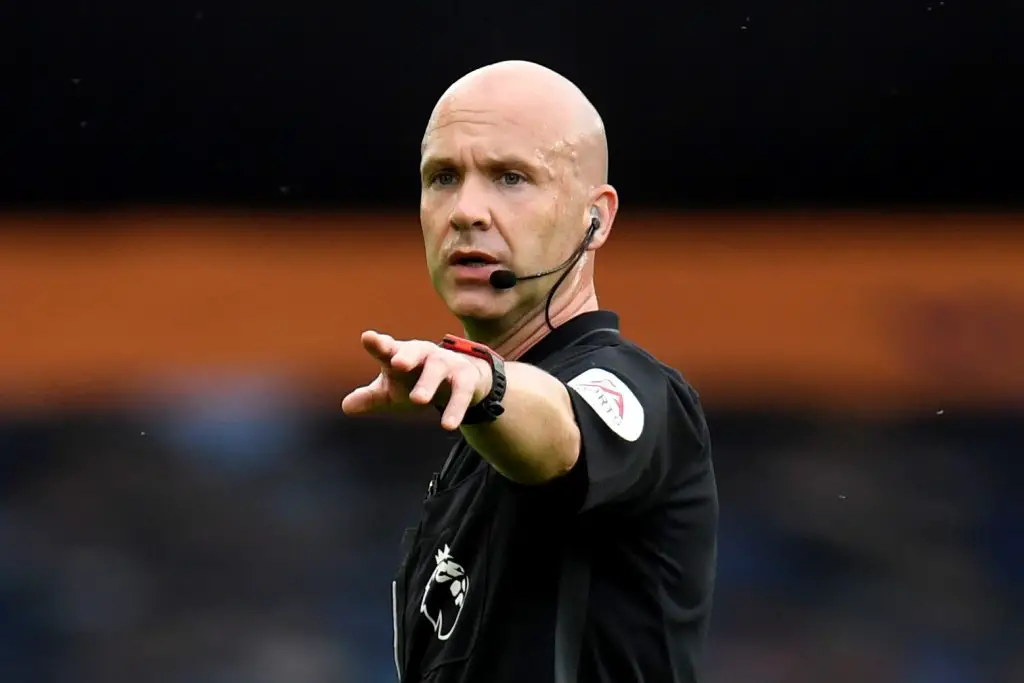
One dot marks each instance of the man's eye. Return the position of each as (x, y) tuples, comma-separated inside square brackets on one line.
[(512, 178), (444, 178)]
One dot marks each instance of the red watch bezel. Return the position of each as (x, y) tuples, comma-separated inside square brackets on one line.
[(468, 347)]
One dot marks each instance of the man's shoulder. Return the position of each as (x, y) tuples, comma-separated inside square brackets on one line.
[(643, 400), (627, 362), (680, 393)]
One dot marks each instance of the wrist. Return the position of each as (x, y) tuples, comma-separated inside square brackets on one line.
[(486, 401)]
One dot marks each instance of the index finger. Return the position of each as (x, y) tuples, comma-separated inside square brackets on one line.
[(380, 346)]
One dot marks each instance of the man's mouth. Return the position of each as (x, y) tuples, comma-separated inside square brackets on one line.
[(473, 260)]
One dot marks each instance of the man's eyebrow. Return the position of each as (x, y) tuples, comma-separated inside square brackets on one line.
[(429, 163), (492, 162)]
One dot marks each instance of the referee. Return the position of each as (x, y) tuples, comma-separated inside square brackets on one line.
[(570, 535)]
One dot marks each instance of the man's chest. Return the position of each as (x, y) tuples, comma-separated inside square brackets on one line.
[(469, 551)]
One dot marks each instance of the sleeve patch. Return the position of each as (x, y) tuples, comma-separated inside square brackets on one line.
[(612, 400)]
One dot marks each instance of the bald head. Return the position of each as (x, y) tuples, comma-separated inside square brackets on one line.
[(552, 109)]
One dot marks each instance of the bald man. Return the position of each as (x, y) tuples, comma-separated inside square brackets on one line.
[(570, 535)]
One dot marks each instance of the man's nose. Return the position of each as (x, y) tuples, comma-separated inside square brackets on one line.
[(471, 210)]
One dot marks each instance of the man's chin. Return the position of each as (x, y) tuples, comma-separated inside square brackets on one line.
[(477, 305)]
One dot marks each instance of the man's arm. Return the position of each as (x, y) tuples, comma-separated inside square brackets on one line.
[(541, 434), (536, 439), (602, 431)]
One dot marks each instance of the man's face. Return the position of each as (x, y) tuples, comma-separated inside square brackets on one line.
[(496, 193)]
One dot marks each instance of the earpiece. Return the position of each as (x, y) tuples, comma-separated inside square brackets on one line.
[(595, 225)]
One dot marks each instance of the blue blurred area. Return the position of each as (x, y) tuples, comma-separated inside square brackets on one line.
[(240, 536)]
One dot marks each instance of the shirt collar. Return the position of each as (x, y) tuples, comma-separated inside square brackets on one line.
[(571, 332)]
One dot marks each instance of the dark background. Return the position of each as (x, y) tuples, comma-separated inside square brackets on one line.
[(244, 532), (805, 102)]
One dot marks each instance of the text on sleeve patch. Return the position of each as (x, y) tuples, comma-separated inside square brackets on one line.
[(612, 400)]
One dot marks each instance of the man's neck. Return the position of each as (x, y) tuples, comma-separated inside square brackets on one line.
[(514, 342)]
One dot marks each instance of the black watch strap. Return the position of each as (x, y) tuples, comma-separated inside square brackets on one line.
[(489, 408)]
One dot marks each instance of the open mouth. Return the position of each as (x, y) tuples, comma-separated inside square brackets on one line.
[(472, 260)]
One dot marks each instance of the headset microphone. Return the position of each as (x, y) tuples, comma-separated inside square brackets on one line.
[(506, 279), (503, 279)]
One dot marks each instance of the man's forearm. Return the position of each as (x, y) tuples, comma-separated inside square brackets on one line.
[(536, 439)]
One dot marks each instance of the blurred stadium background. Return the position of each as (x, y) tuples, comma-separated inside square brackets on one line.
[(205, 203)]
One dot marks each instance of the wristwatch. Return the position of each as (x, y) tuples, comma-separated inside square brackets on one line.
[(490, 408)]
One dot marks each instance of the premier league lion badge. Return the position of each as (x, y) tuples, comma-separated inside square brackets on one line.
[(445, 594)]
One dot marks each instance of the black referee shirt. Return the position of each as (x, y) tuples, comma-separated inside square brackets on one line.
[(602, 576)]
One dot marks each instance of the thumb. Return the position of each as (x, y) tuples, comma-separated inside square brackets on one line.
[(367, 399)]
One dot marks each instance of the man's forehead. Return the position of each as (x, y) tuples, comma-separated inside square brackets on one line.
[(496, 130)]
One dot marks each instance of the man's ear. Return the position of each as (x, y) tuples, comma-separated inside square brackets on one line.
[(604, 208)]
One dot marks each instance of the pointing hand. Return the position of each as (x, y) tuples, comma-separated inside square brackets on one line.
[(418, 373)]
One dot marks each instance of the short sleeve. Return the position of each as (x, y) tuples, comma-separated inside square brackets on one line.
[(621, 400)]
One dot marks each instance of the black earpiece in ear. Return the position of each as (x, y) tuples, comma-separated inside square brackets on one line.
[(595, 219)]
